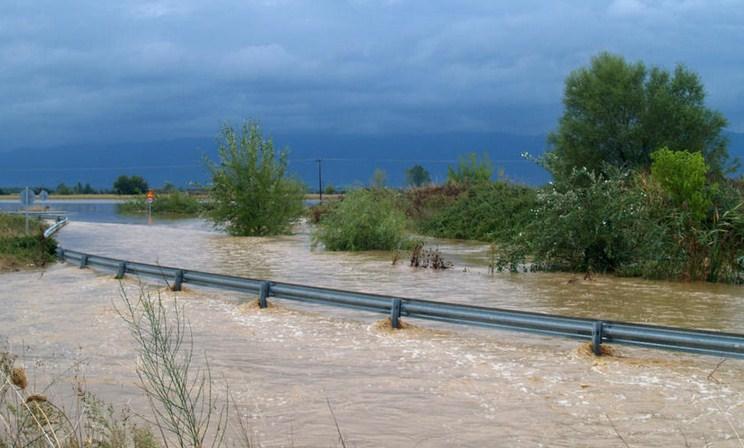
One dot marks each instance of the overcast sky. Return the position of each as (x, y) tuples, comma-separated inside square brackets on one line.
[(126, 70)]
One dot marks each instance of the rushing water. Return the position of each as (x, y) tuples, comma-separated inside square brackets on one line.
[(431, 385), (293, 259)]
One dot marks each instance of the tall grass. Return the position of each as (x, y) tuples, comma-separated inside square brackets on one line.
[(30, 419), (18, 249)]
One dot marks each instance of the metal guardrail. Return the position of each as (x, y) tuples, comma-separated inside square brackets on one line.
[(55, 227), (597, 331)]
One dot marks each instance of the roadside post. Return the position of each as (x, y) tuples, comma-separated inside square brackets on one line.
[(27, 198), (150, 198)]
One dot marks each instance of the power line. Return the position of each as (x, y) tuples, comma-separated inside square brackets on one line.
[(199, 165)]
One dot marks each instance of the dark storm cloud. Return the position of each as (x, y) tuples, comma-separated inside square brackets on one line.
[(137, 70)]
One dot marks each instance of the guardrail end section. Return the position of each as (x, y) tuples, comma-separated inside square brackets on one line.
[(178, 281), (597, 337), (121, 270), (263, 293), (395, 314), (83, 261)]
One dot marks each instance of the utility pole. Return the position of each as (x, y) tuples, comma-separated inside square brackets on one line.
[(320, 179)]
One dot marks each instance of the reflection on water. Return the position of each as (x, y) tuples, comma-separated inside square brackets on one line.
[(293, 259)]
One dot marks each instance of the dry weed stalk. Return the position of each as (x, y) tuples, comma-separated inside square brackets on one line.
[(179, 394)]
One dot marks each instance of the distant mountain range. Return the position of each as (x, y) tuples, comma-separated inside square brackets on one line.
[(346, 160)]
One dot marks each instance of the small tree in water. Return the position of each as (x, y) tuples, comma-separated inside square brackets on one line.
[(251, 193)]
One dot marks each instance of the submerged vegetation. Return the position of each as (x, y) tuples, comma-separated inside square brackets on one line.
[(639, 164), (486, 211), (363, 220), (176, 203), (20, 250), (251, 193)]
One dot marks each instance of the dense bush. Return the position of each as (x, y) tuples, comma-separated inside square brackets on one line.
[(601, 227), (251, 192), (630, 224), (485, 212), (363, 220)]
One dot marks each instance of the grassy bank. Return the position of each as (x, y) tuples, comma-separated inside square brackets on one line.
[(18, 250)]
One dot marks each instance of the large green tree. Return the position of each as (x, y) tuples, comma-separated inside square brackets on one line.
[(417, 176), (122, 185), (617, 113), (251, 192)]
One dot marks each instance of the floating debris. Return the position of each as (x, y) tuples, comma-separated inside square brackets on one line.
[(422, 257)]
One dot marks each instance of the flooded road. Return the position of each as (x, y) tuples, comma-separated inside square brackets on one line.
[(430, 385), (292, 259), (423, 386)]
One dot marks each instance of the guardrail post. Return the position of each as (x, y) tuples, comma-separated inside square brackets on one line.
[(61, 254), (121, 270), (83, 261), (597, 337), (263, 293), (395, 314), (178, 281)]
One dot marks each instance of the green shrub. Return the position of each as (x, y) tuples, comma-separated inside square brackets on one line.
[(251, 193), (363, 220), (486, 212), (176, 204), (470, 170), (601, 227), (683, 175)]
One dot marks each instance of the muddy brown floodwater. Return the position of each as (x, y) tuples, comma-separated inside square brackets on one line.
[(429, 385)]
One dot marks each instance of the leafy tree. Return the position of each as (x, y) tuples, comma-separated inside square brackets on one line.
[(63, 189), (329, 189), (617, 113), (417, 176), (470, 170), (683, 175), (251, 192), (130, 185)]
